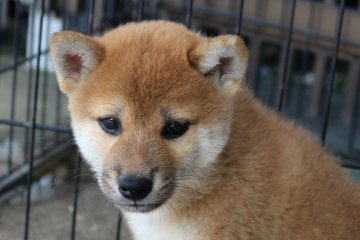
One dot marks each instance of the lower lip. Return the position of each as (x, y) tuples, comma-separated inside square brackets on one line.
[(140, 207)]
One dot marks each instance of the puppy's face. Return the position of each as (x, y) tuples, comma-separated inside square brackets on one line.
[(151, 107)]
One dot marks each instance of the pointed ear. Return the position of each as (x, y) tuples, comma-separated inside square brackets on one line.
[(74, 57), (223, 60)]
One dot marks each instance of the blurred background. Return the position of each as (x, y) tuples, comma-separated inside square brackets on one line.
[(291, 42)]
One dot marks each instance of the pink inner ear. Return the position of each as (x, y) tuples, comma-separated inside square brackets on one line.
[(222, 67), (73, 63)]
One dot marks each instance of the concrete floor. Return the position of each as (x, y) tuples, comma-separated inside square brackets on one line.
[(51, 219)]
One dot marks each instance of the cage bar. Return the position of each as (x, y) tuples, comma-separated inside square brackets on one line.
[(189, 13), (59, 96), (14, 84), (29, 86), (330, 83), (118, 226), (27, 125), (141, 11), (354, 120), (44, 96), (283, 86), (33, 123), (76, 197), (1, 10), (20, 62), (240, 17)]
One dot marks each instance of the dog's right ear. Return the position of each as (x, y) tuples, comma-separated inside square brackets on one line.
[(74, 57)]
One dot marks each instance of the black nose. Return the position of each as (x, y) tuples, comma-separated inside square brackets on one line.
[(134, 188)]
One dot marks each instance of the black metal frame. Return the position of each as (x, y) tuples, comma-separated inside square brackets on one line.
[(32, 124)]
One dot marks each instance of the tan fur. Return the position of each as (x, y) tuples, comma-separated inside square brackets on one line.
[(270, 181)]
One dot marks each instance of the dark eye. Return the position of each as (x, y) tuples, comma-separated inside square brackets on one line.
[(174, 129), (110, 125)]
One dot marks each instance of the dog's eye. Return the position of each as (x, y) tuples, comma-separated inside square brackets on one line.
[(110, 125), (174, 129)]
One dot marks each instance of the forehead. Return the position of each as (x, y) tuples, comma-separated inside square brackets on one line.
[(149, 89), (148, 69)]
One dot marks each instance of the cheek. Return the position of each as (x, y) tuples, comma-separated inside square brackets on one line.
[(203, 145), (210, 143), (183, 147), (88, 138)]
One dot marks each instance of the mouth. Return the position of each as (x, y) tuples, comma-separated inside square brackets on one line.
[(135, 207), (162, 196)]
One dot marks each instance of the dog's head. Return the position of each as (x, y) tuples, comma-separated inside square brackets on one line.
[(151, 106)]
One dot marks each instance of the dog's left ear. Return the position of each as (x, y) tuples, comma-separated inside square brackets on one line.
[(223, 60)]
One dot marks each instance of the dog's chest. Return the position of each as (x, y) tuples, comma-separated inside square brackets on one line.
[(153, 227)]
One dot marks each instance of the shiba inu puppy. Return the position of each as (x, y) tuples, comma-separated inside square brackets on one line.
[(182, 148)]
